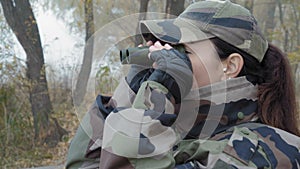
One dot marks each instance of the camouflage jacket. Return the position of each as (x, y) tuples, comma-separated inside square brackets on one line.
[(214, 127)]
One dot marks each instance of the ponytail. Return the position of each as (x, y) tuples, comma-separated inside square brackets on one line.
[(276, 95), (276, 92)]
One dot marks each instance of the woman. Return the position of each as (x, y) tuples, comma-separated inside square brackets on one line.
[(228, 102)]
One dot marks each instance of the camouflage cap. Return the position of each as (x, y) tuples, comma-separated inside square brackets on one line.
[(211, 18)]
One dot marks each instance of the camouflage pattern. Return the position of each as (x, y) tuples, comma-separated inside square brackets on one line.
[(141, 134), (249, 145), (203, 20), (85, 147), (215, 126)]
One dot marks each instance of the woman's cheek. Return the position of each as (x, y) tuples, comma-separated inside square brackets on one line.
[(201, 75), (206, 71)]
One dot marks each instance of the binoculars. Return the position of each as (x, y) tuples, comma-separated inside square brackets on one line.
[(139, 55)]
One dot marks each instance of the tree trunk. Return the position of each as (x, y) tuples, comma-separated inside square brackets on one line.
[(296, 13), (264, 12), (285, 29), (84, 74), (142, 16), (245, 3), (174, 7), (249, 5), (20, 18)]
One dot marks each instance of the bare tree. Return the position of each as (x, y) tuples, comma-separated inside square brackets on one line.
[(174, 7), (20, 18), (285, 29), (264, 11), (296, 16), (142, 16), (85, 70), (246, 3)]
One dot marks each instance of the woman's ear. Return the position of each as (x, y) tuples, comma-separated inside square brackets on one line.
[(233, 64)]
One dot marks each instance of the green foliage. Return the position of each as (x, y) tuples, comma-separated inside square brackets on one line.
[(110, 71), (15, 119), (105, 11), (287, 33), (18, 148), (294, 56), (16, 131)]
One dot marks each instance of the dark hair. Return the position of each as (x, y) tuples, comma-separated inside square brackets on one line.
[(276, 92)]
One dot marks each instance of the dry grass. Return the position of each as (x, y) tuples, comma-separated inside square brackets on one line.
[(30, 155)]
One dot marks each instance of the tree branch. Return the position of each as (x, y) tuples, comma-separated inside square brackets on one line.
[(8, 10)]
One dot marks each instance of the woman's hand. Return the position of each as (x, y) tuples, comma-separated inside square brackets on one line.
[(137, 74), (155, 47), (149, 43), (158, 46), (173, 70)]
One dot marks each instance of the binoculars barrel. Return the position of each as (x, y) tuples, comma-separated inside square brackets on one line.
[(139, 55)]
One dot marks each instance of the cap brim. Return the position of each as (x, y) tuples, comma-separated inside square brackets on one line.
[(173, 31)]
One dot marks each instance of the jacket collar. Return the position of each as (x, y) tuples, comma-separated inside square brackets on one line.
[(230, 90), (223, 105)]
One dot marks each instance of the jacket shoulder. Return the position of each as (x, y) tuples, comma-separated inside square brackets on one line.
[(266, 145)]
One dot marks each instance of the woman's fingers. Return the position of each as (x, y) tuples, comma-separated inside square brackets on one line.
[(155, 46), (167, 46), (149, 43), (158, 46)]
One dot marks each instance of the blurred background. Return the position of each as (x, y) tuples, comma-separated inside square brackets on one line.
[(46, 46)]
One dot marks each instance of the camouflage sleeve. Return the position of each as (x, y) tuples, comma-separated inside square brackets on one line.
[(140, 136), (249, 146), (85, 148)]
